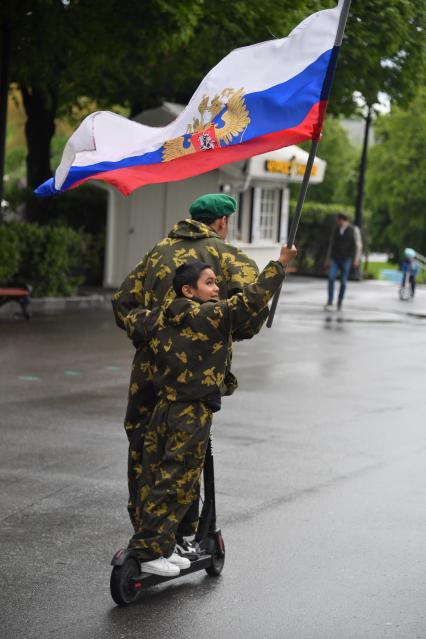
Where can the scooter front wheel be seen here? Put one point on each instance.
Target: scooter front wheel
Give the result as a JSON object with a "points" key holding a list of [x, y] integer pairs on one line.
{"points": [[218, 557], [404, 293], [122, 586]]}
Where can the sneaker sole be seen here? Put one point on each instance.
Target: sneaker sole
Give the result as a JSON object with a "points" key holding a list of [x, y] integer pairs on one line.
{"points": [[181, 566], [161, 573]]}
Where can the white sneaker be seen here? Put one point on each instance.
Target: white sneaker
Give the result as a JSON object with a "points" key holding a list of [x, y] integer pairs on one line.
{"points": [[177, 560], [160, 566], [328, 307]]}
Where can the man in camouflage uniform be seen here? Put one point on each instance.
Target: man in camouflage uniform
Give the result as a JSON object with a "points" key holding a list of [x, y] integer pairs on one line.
{"points": [[189, 337], [150, 284]]}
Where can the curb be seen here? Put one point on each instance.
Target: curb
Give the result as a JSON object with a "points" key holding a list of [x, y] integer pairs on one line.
{"points": [[47, 305]]}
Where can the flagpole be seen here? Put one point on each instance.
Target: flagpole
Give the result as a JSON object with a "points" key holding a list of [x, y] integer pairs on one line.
{"points": [[313, 150], [295, 221]]}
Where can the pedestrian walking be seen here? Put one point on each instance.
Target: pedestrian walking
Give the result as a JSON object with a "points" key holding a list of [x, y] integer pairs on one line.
{"points": [[344, 252]]}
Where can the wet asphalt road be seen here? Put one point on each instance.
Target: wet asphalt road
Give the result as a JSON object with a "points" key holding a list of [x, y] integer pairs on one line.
{"points": [[320, 471]]}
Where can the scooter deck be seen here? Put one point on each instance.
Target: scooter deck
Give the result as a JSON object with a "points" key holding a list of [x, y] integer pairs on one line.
{"points": [[146, 580]]}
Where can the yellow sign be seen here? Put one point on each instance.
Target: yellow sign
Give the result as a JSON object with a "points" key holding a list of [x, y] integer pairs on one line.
{"points": [[289, 167]]}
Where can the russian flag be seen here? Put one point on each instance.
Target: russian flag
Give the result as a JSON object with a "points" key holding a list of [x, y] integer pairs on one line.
{"points": [[258, 98]]}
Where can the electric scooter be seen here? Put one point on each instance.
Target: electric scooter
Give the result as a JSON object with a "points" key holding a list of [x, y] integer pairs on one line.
{"points": [[127, 579]]}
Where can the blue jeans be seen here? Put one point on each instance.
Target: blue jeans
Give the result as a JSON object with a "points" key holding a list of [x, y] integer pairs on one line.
{"points": [[344, 266]]}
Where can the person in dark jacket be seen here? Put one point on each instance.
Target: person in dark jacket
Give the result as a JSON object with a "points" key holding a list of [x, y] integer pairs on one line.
{"points": [[344, 251], [189, 338], [150, 284]]}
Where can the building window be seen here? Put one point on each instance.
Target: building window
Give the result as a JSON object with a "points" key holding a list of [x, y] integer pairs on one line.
{"points": [[266, 214]]}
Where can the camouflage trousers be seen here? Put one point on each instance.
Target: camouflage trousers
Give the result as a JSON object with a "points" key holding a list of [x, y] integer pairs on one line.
{"points": [[141, 403], [174, 450]]}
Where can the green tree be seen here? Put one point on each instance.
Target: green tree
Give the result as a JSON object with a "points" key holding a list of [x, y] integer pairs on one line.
{"points": [[383, 52], [136, 53], [341, 157], [224, 26], [64, 49], [396, 184]]}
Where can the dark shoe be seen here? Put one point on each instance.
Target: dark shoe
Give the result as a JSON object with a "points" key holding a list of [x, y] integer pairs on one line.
{"points": [[189, 549]]}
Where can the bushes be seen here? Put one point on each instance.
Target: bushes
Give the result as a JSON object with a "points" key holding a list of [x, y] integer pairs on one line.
{"points": [[52, 259], [9, 252], [313, 234]]}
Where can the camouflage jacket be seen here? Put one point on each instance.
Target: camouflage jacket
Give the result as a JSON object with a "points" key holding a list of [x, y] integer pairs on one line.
{"points": [[150, 283], [190, 340]]}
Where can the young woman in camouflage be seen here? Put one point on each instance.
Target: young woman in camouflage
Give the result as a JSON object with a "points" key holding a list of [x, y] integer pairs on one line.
{"points": [[150, 284], [189, 338]]}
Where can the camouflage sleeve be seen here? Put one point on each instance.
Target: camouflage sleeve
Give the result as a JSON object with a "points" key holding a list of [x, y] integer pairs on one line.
{"points": [[130, 295], [254, 297], [239, 270], [142, 324]]}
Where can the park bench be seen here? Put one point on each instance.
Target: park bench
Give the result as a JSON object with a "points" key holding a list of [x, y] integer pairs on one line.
{"points": [[20, 295]]}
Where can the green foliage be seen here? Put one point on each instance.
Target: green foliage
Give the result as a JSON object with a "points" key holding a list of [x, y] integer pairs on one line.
{"points": [[15, 159], [222, 27], [342, 159], [383, 51], [14, 193], [68, 52], [9, 252], [314, 232], [396, 184], [52, 260], [56, 149], [84, 208], [95, 259], [106, 51]]}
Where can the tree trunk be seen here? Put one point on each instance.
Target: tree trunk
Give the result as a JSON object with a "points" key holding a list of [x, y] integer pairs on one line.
{"points": [[40, 107], [362, 170], [4, 92]]}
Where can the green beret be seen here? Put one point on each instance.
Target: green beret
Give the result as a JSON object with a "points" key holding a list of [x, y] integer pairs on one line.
{"points": [[213, 205]]}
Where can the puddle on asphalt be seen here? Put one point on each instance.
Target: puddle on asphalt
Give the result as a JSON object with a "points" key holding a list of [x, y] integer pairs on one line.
{"points": [[357, 320], [310, 315]]}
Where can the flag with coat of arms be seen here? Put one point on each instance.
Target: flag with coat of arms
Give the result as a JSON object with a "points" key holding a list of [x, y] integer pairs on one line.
{"points": [[258, 98]]}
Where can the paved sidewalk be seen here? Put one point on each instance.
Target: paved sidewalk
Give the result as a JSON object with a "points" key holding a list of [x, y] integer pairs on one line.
{"points": [[369, 300], [97, 298], [319, 469]]}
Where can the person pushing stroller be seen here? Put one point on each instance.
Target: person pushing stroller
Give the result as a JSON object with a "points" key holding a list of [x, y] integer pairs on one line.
{"points": [[189, 338]]}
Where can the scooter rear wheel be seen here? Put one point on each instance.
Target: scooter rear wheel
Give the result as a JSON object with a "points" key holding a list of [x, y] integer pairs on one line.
{"points": [[122, 589]]}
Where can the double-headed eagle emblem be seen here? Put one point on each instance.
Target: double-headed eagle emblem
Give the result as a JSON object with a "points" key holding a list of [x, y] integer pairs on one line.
{"points": [[222, 118]]}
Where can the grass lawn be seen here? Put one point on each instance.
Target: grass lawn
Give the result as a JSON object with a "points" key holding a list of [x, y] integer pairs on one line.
{"points": [[374, 268]]}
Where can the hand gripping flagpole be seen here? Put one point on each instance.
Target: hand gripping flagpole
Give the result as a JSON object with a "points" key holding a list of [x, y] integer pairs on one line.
{"points": [[314, 146]]}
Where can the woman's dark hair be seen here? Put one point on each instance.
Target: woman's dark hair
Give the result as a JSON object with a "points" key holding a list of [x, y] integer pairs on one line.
{"points": [[188, 274]]}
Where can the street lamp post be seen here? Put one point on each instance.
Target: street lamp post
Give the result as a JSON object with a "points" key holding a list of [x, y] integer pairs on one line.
{"points": [[362, 170]]}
